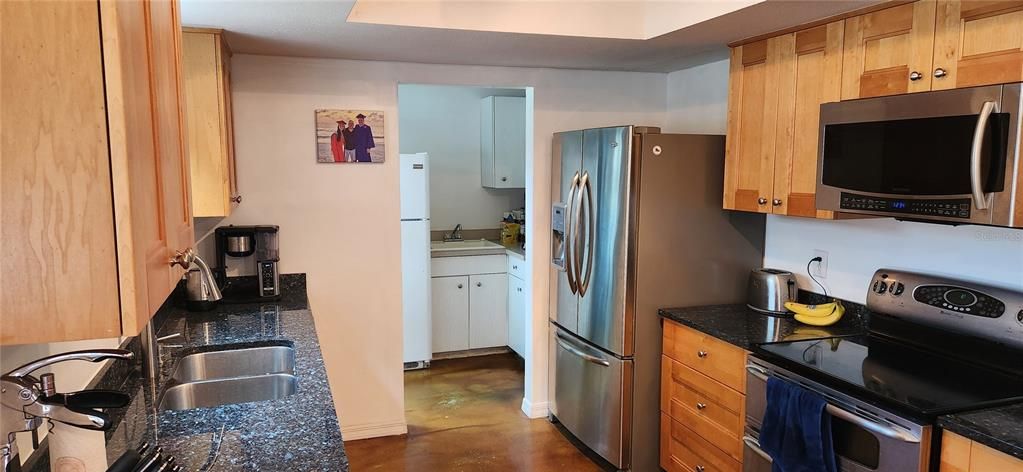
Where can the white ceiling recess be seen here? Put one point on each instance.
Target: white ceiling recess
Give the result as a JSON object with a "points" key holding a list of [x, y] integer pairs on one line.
{"points": [[569, 34]]}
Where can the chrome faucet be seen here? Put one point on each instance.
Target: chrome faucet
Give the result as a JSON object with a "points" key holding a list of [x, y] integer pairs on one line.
{"points": [[27, 401], [456, 234]]}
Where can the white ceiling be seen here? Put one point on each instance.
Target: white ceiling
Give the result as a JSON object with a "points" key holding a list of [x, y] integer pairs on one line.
{"points": [[318, 28]]}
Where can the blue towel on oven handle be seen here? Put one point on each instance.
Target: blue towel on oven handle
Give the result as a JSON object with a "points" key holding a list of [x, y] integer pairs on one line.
{"points": [[796, 430]]}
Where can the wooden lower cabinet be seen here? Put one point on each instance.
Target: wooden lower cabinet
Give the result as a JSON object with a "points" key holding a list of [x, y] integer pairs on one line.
{"points": [[703, 402], [95, 195], [959, 454]]}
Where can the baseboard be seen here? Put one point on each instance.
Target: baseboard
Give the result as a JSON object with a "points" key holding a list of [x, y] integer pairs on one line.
{"points": [[485, 351], [535, 410], [373, 430]]}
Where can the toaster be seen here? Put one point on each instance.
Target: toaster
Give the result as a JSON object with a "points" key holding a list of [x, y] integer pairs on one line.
{"points": [[769, 289]]}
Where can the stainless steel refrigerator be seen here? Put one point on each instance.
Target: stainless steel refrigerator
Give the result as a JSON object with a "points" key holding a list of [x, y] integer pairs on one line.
{"points": [[637, 225]]}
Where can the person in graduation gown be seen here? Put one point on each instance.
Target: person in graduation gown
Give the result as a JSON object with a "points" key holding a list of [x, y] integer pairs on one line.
{"points": [[362, 139], [337, 142]]}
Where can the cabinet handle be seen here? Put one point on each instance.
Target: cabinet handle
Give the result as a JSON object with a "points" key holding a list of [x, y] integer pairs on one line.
{"points": [[700, 468], [504, 179], [459, 285], [939, 73], [701, 354], [236, 199], [515, 267], [519, 289], [762, 201], [700, 406], [776, 202], [914, 76], [479, 284]]}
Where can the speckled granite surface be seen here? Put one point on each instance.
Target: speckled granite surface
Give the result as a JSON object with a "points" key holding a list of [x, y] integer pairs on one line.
{"points": [[999, 428], [743, 327], [299, 432]]}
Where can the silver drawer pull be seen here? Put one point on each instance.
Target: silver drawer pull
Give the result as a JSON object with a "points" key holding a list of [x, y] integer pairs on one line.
{"points": [[701, 354], [700, 406], [700, 468]]}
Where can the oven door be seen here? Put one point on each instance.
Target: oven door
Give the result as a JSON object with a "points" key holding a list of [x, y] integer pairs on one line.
{"points": [[866, 439], [946, 155]]}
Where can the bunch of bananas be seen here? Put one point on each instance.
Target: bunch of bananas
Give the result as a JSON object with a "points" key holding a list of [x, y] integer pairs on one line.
{"points": [[825, 314]]}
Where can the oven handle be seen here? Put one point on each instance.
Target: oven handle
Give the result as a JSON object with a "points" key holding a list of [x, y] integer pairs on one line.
{"points": [[980, 199], [865, 423], [754, 446]]}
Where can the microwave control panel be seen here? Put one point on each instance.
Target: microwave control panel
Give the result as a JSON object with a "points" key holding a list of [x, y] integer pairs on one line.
{"points": [[949, 208]]}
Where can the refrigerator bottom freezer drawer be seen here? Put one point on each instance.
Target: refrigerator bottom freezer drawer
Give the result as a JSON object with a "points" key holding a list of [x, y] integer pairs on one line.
{"points": [[593, 397]]}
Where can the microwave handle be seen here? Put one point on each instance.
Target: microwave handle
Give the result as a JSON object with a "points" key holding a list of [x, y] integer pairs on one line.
{"points": [[865, 423], [980, 199]]}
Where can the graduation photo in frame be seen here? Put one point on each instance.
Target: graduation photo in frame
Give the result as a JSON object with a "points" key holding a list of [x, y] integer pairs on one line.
{"points": [[349, 136]]}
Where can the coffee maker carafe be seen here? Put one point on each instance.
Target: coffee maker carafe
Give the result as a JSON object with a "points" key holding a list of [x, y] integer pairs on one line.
{"points": [[239, 244]]}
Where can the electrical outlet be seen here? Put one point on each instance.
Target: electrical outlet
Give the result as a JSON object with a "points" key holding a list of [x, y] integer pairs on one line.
{"points": [[820, 269]]}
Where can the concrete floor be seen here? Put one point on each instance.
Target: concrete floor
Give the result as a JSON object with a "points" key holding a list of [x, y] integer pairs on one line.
{"points": [[463, 415]]}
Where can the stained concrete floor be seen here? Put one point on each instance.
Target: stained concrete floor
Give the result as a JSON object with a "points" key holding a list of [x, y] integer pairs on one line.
{"points": [[463, 415]]}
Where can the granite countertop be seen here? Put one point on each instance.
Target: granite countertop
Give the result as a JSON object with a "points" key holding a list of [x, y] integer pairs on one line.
{"points": [[297, 432], [739, 325], [999, 428]]}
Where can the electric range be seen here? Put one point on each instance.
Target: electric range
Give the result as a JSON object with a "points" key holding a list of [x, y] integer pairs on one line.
{"points": [[935, 346]]}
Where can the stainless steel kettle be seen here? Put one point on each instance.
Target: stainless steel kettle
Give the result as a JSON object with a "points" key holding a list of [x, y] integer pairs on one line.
{"points": [[769, 289]]}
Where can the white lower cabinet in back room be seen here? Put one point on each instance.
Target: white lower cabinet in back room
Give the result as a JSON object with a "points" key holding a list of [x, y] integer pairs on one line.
{"points": [[517, 315], [488, 311], [450, 313]]}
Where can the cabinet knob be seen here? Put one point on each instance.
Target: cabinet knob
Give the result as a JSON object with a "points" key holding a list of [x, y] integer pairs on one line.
{"points": [[776, 202], [236, 199], [515, 267], [479, 284], [914, 76], [519, 289], [762, 201], [701, 354], [459, 285], [939, 73], [700, 468], [504, 179]]}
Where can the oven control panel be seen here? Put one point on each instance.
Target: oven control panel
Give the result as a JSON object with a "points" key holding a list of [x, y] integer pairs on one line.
{"points": [[948, 208], [969, 308]]}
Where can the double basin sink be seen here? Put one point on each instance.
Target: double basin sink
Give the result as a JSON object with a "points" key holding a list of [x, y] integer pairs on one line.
{"points": [[231, 375]]}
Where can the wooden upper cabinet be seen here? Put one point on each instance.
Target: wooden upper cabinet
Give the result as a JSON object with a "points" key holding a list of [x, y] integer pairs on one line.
{"points": [[752, 111], [888, 52], [810, 60], [978, 43], [91, 220], [207, 69]]}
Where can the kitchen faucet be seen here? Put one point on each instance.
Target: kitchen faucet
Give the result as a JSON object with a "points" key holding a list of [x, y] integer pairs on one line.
{"points": [[456, 234], [27, 401]]}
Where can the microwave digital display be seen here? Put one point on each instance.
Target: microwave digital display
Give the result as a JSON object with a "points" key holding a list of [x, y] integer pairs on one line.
{"points": [[948, 208], [913, 157]]}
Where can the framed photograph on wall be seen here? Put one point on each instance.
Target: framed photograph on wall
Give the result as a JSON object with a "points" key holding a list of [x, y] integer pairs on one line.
{"points": [[349, 136]]}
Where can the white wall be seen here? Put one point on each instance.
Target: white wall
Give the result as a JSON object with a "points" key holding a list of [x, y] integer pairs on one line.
{"points": [[445, 122], [698, 99], [856, 248], [698, 103], [339, 223]]}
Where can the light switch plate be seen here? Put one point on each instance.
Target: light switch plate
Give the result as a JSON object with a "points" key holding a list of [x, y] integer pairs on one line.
{"points": [[820, 269]]}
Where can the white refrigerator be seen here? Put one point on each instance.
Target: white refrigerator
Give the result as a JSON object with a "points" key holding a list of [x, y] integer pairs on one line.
{"points": [[415, 258]]}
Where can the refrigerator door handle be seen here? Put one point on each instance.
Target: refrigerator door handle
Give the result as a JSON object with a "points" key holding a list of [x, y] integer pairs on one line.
{"points": [[576, 253], [584, 283], [567, 345], [570, 232]]}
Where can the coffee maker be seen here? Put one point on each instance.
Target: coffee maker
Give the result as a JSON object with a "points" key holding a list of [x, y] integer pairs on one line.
{"points": [[242, 245]]}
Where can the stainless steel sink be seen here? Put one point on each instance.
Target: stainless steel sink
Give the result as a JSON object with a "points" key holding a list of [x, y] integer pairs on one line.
{"points": [[235, 363], [208, 393], [228, 376]]}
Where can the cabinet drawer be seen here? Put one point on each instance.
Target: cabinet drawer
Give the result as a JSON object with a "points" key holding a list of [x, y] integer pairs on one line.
{"points": [[691, 451], [468, 265], [517, 267], [709, 356], [709, 408]]}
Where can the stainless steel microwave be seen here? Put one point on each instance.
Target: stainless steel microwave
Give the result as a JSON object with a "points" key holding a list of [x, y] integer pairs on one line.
{"points": [[950, 156]]}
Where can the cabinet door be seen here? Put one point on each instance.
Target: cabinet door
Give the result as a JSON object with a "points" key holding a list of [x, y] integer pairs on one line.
{"points": [[752, 115], [884, 48], [509, 142], [810, 60], [57, 251], [488, 310], [487, 142], [978, 43], [517, 315], [450, 313]]}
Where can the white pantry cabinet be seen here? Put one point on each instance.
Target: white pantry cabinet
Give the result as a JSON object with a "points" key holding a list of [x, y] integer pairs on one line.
{"points": [[503, 142]]}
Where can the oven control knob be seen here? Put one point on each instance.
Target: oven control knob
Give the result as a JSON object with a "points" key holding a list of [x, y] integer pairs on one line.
{"points": [[897, 288], [1019, 316], [882, 287]]}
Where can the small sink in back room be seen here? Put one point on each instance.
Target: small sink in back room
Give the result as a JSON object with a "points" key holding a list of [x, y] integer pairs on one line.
{"points": [[469, 247], [228, 376]]}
